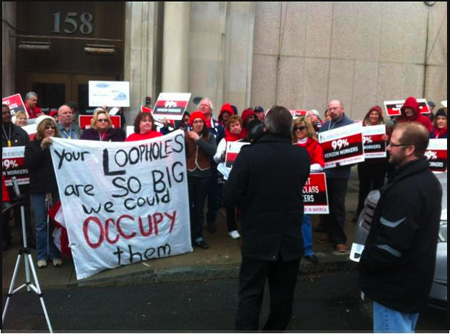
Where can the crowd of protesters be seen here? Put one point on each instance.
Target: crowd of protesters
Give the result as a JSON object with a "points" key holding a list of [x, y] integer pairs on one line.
{"points": [[211, 184]]}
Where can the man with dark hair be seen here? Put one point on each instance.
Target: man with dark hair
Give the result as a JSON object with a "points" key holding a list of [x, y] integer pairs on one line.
{"points": [[267, 180], [13, 135], [397, 264]]}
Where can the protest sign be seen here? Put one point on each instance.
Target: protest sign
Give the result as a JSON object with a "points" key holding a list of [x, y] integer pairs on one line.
{"points": [[171, 106], [123, 202], [233, 149], [109, 93], [437, 155], [342, 145], [393, 108], [13, 164], [374, 144], [298, 113], [15, 104], [315, 196], [85, 121]]}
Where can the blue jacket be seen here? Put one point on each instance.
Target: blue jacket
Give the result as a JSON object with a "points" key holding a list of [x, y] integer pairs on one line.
{"points": [[340, 172]]}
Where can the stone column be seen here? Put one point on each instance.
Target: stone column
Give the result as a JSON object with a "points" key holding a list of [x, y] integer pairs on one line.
{"points": [[142, 65], [176, 47], [8, 48]]}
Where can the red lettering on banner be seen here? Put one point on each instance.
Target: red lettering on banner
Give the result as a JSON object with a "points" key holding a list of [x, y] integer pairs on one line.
{"points": [[134, 228]]}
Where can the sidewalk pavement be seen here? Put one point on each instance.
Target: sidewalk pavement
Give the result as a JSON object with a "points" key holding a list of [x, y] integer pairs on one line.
{"points": [[221, 260]]}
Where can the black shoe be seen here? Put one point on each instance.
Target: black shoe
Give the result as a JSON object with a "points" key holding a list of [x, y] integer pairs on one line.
{"points": [[212, 228], [312, 258], [202, 244]]}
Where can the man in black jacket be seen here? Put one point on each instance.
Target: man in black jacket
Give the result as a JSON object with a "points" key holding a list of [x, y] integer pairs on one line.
{"points": [[267, 179], [13, 135], [397, 264]]}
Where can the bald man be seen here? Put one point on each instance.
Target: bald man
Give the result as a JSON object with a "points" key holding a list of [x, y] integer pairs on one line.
{"points": [[65, 125]]}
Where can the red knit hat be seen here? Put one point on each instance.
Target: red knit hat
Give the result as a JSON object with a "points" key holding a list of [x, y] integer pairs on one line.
{"points": [[227, 107], [197, 114]]}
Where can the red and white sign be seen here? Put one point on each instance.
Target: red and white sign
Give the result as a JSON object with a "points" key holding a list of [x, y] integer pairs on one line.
{"points": [[15, 104], [85, 121], [171, 106], [298, 113], [233, 149], [13, 165], [315, 196], [343, 145], [437, 155], [393, 108], [374, 145]]}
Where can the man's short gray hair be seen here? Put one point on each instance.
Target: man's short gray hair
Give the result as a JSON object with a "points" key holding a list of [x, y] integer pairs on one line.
{"points": [[279, 121], [30, 95]]}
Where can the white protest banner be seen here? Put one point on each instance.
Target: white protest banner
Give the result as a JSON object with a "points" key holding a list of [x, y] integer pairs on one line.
{"points": [[15, 104], [393, 108], [374, 144], [343, 145], [436, 154], [109, 93], [315, 195], [13, 164], [123, 202], [171, 106]]}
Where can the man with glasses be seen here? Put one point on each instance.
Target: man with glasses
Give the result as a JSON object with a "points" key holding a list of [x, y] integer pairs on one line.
{"points": [[337, 180], [397, 264], [13, 135]]}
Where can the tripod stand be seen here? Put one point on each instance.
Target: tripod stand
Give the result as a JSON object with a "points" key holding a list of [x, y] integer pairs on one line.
{"points": [[25, 251]]}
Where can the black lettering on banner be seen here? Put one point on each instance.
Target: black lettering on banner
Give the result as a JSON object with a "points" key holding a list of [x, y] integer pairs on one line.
{"points": [[74, 189], [179, 139], [69, 156], [133, 185], [108, 207], [148, 254], [106, 165]]}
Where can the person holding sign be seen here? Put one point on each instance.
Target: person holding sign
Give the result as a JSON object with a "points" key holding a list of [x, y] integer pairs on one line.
{"points": [[144, 128], [411, 113], [267, 180], [397, 264], [304, 135], [200, 148], [440, 125], [371, 172], [337, 180], [233, 132], [14, 136], [43, 188], [102, 129]]}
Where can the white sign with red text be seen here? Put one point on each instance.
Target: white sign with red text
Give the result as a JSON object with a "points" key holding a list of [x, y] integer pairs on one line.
{"points": [[343, 146], [437, 155], [374, 144], [132, 205], [13, 164]]}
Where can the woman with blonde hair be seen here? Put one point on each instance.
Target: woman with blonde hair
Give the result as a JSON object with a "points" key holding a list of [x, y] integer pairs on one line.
{"points": [[43, 188], [21, 118], [102, 128], [304, 136]]}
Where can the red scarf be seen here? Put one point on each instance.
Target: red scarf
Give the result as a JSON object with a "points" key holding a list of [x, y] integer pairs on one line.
{"points": [[231, 137], [439, 133]]}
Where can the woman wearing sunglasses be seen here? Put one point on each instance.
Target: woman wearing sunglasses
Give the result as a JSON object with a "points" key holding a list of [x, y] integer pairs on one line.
{"points": [[305, 136], [43, 188], [102, 128]]}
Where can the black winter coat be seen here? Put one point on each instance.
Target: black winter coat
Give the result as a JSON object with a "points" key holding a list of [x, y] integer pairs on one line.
{"points": [[39, 164], [19, 137], [267, 179], [397, 264]]}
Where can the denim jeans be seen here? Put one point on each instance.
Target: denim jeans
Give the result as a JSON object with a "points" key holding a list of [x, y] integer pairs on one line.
{"points": [[46, 249], [307, 235], [386, 320]]}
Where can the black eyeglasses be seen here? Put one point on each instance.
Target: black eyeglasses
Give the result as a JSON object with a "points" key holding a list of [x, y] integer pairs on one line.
{"points": [[397, 145], [300, 128], [49, 128]]}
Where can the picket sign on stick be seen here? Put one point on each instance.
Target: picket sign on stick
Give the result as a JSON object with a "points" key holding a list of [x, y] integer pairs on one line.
{"points": [[374, 145], [437, 155], [123, 202]]}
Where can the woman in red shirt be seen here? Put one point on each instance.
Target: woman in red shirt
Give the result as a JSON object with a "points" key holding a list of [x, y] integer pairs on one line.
{"points": [[144, 128], [305, 136]]}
